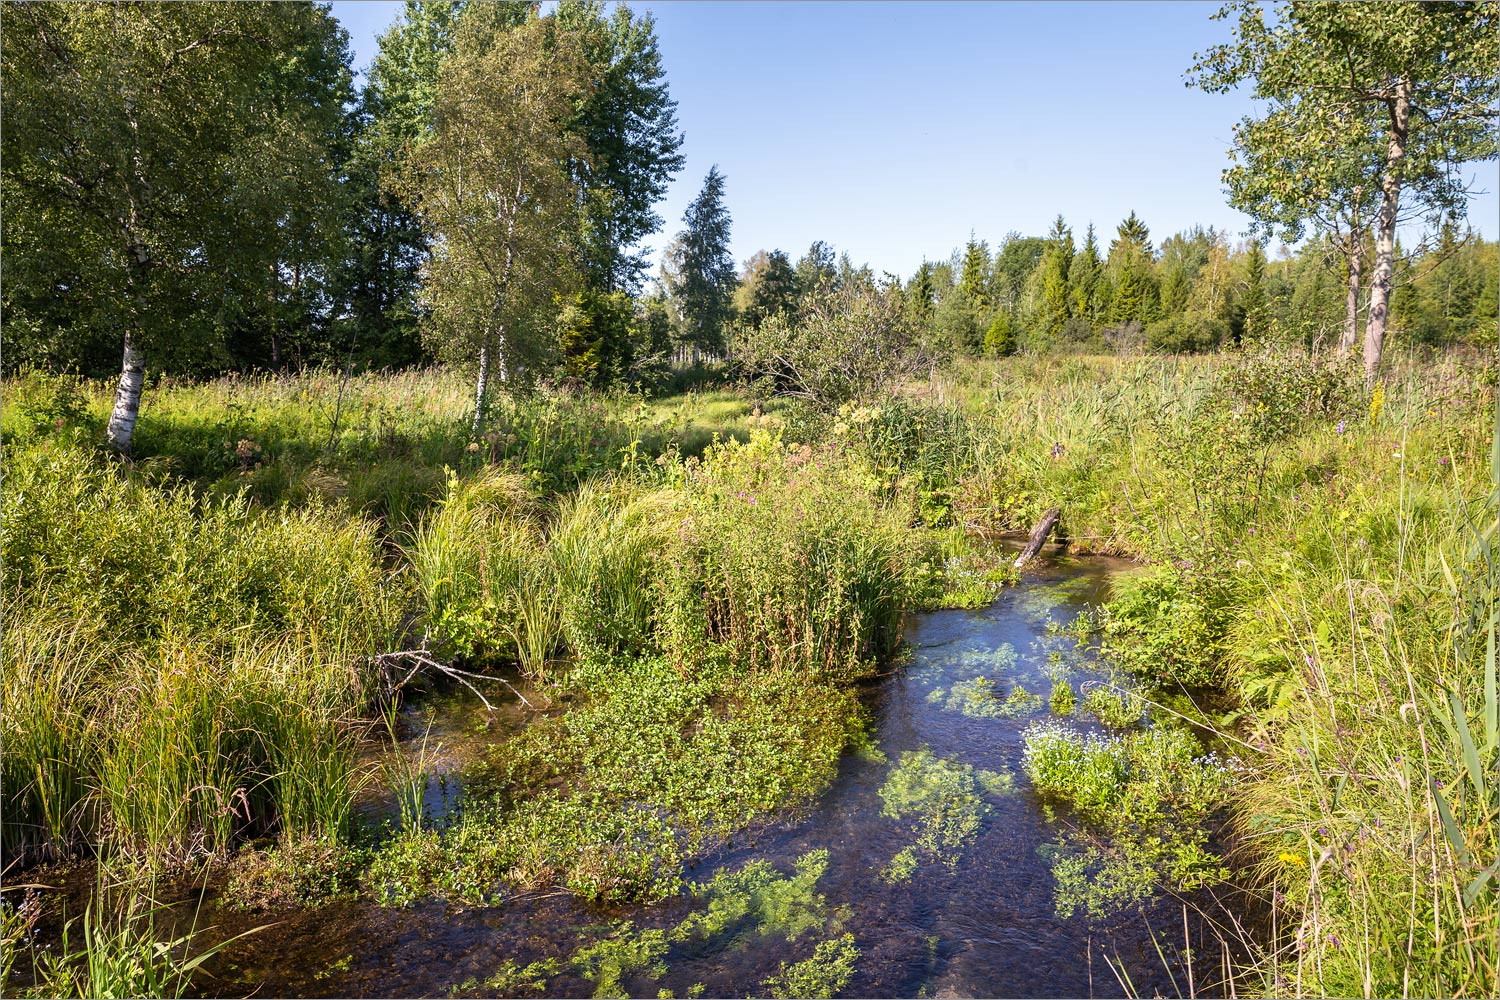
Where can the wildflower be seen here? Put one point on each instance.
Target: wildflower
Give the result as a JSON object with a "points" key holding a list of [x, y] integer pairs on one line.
{"points": [[1340, 428], [1443, 460], [1395, 454]]}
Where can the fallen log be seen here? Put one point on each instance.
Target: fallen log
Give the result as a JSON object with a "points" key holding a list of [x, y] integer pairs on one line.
{"points": [[1038, 536]]}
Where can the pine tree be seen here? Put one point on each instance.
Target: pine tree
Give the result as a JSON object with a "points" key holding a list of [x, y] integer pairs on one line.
{"points": [[703, 274]]}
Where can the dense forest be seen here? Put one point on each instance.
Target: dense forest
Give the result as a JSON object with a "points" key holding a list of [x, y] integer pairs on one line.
{"points": [[412, 586]]}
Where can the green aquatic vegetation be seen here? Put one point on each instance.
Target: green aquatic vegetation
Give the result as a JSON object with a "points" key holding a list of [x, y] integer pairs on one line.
{"points": [[611, 799], [942, 798], [753, 901], [823, 975], [1144, 799], [997, 783], [1115, 709], [978, 699], [623, 952], [902, 867], [758, 899], [1063, 700]]}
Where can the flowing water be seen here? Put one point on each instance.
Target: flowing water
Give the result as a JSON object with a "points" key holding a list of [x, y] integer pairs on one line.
{"points": [[973, 915]]}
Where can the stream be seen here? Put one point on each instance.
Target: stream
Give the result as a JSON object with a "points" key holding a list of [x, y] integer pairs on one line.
{"points": [[961, 906]]}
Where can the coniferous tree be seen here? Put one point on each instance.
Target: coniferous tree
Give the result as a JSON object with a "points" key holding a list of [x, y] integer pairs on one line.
{"points": [[1256, 325], [1130, 268], [817, 272], [1084, 280], [1058, 258], [703, 276], [769, 288], [973, 281], [921, 296]]}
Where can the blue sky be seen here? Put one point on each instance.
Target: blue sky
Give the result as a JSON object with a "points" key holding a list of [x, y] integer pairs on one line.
{"points": [[892, 130]]}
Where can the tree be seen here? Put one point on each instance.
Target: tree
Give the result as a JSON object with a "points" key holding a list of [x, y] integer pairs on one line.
{"points": [[921, 295], [1256, 324], [1056, 260], [1084, 280], [151, 157], [381, 280], [492, 186], [768, 287], [852, 343], [629, 124], [817, 271], [1000, 339], [1411, 85], [1130, 268], [973, 279], [702, 274]]}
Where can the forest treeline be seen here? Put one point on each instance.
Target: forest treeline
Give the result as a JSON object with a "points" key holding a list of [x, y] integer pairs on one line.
{"points": [[208, 184]]}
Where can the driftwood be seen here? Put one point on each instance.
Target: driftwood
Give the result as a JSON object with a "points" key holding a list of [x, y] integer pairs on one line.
{"points": [[1038, 536]]}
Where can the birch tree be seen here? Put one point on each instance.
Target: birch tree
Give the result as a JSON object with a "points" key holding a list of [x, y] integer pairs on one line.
{"points": [[146, 151], [1408, 87], [494, 189]]}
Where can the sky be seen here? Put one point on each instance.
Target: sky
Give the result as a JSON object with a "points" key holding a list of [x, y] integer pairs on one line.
{"points": [[895, 130]]}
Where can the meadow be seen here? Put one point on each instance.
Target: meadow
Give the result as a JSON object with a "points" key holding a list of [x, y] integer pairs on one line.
{"points": [[693, 586]]}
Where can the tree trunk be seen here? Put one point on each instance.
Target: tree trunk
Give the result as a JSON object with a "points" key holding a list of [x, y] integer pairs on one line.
{"points": [[1385, 238], [481, 390], [1350, 336], [1038, 536], [127, 406]]}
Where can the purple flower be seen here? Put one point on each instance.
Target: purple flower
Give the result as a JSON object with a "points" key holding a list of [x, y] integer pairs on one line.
{"points": [[1340, 428]]}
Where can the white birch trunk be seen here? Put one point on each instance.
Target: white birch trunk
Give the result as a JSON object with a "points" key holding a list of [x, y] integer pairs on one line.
{"points": [[481, 390], [127, 408], [1350, 335], [1385, 237]]}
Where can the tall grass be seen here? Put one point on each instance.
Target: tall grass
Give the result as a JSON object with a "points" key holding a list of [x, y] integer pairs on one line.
{"points": [[177, 670]]}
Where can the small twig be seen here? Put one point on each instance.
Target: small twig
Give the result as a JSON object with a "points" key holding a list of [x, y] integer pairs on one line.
{"points": [[420, 658]]}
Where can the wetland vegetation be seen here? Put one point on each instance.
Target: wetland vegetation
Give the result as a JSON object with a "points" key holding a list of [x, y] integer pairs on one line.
{"points": [[400, 628]]}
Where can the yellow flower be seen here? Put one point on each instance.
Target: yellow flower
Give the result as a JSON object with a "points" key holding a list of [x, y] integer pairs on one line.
{"points": [[1293, 859]]}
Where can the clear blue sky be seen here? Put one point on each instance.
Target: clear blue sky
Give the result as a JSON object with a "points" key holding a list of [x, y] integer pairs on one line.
{"points": [[891, 130]]}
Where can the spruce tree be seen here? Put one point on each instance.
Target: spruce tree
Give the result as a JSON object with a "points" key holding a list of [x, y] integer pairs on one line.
{"points": [[703, 275], [1253, 301], [1058, 258], [1083, 279], [973, 280]]}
